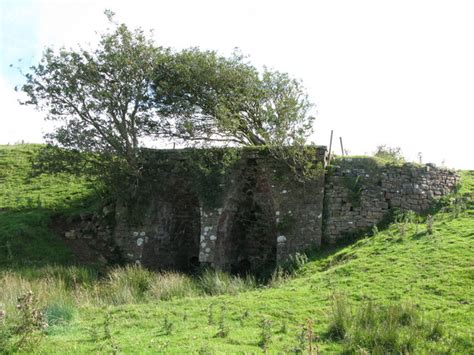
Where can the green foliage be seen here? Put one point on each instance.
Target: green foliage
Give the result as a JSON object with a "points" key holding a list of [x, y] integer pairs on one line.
{"points": [[389, 154], [223, 328], [265, 334], [340, 317], [396, 328], [109, 99], [354, 188], [30, 323], [218, 283], [101, 96], [128, 284], [294, 263], [58, 313], [226, 100], [167, 326]]}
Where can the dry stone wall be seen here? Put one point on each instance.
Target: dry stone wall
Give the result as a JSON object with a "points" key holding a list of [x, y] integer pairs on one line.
{"points": [[359, 193]]}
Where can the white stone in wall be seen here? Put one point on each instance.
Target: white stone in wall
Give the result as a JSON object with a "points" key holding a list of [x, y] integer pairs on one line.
{"points": [[139, 241], [213, 237], [135, 234], [208, 250], [281, 239], [142, 234], [277, 213]]}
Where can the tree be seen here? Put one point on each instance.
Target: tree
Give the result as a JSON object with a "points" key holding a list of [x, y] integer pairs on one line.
{"points": [[111, 98], [101, 97], [218, 99]]}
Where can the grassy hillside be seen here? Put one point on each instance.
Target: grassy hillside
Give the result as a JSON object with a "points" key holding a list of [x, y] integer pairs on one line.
{"points": [[27, 203], [402, 289]]}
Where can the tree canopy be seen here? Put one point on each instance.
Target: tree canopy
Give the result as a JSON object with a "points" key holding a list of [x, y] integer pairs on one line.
{"points": [[109, 99], [219, 99], [101, 97]]}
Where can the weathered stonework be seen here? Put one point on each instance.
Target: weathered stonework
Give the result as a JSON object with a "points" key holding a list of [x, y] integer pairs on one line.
{"points": [[358, 195], [262, 218], [260, 214], [259, 217]]}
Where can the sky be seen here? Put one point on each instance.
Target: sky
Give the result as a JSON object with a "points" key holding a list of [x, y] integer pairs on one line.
{"points": [[399, 73]]}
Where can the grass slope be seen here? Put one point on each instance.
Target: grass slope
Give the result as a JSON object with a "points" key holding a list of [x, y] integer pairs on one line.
{"points": [[404, 264], [27, 203], [434, 273]]}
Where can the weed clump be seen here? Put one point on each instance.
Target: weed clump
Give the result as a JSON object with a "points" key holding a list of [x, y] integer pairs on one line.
{"points": [[372, 328], [265, 334], [27, 330], [219, 283], [223, 328]]}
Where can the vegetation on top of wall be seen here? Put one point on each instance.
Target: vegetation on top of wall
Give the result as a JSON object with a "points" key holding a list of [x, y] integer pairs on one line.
{"points": [[209, 169]]}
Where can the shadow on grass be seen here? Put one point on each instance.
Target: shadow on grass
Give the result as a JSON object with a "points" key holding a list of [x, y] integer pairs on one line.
{"points": [[28, 238]]}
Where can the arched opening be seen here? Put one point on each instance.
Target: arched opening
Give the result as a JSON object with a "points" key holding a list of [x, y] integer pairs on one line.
{"points": [[174, 240], [248, 243]]}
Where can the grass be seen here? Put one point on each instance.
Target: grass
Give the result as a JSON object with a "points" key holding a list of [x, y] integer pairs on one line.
{"points": [[401, 290], [27, 204]]}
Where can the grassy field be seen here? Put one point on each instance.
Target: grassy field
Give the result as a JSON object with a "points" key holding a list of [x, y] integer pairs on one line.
{"points": [[401, 290]]}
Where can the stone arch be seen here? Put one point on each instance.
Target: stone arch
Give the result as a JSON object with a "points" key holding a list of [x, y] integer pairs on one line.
{"points": [[246, 230], [173, 243]]}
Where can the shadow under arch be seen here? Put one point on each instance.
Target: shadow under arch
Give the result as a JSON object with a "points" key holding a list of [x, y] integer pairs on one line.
{"points": [[246, 231], [176, 222]]}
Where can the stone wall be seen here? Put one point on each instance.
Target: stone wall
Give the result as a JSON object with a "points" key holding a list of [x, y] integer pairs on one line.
{"points": [[359, 193], [263, 216], [259, 214]]}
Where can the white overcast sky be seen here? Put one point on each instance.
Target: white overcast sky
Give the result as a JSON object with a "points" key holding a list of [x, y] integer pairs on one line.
{"points": [[399, 73]]}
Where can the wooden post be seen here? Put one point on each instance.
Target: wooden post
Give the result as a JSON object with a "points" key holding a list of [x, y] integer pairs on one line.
{"points": [[342, 147], [330, 147]]}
